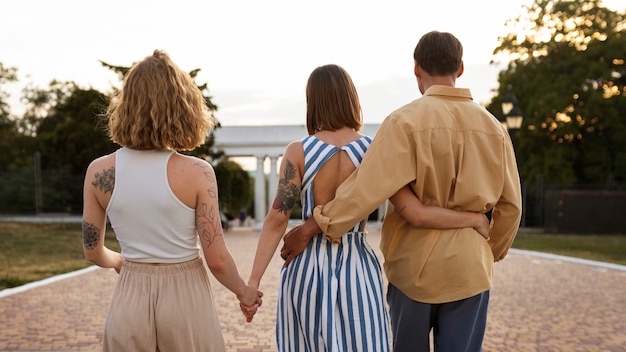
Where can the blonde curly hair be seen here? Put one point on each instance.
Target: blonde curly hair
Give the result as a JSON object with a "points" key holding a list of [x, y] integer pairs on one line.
{"points": [[159, 107]]}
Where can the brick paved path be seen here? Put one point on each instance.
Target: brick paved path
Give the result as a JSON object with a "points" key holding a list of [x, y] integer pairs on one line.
{"points": [[538, 304]]}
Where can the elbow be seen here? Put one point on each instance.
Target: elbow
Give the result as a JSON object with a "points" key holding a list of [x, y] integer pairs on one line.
{"points": [[217, 266], [91, 256], [419, 221]]}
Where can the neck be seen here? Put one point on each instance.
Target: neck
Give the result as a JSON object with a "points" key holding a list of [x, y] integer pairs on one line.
{"points": [[425, 82]]}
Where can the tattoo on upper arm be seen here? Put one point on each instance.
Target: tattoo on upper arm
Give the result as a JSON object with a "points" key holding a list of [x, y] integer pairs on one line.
{"points": [[105, 181], [287, 193], [91, 235], [208, 220], [209, 174], [208, 223]]}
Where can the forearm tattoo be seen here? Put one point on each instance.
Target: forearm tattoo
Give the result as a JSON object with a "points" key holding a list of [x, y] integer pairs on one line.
{"points": [[207, 216], [105, 181], [287, 193], [91, 235]]}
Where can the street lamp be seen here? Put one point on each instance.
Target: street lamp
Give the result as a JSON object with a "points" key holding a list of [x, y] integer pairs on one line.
{"points": [[512, 116], [508, 101]]}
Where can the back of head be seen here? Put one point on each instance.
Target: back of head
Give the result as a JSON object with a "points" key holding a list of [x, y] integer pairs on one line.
{"points": [[158, 107], [332, 100], [439, 53]]}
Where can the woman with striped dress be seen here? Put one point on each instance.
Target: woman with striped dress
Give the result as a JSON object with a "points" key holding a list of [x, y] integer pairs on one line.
{"points": [[331, 296]]}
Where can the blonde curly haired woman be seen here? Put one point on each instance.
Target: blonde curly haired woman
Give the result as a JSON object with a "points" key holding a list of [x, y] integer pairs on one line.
{"points": [[163, 207]]}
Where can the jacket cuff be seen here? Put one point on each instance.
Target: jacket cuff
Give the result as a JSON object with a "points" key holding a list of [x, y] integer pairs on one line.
{"points": [[324, 223]]}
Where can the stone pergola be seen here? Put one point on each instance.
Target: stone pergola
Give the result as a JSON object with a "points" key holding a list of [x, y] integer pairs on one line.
{"points": [[263, 142]]}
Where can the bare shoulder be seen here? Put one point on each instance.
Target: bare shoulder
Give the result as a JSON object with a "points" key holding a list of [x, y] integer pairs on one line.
{"points": [[294, 156], [294, 151], [101, 174], [189, 160], [105, 161], [103, 166], [192, 166]]}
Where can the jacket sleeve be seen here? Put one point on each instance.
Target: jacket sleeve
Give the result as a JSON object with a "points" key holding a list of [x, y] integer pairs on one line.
{"points": [[507, 211], [387, 166]]}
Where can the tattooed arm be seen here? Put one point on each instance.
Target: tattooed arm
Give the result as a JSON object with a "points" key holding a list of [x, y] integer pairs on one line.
{"points": [[97, 190], [277, 219], [209, 227]]}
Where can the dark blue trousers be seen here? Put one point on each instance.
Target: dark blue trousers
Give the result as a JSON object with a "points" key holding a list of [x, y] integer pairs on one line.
{"points": [[457, 326]]}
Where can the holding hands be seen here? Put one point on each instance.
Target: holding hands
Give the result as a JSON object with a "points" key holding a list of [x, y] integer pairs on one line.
{"points": [[249, 301]]}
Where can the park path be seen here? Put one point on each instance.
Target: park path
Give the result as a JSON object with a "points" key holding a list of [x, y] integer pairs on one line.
{"points": [[538, 303]]}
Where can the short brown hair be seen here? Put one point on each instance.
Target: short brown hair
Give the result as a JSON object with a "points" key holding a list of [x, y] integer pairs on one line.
{"points": [[158, 107], [332, 101], [439, 53]]}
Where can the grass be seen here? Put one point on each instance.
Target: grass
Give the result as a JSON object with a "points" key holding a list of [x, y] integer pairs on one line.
{"points": [[31, 252], [603, 248]]}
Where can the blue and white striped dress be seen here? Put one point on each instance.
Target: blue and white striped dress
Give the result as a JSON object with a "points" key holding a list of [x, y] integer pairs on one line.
{"points": [[331, 296]]}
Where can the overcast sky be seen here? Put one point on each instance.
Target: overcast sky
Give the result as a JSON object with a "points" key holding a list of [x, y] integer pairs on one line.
{"points": [[255, 55]]}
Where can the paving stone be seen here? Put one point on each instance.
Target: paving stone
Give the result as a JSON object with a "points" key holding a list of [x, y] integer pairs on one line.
{"points": [[537, 304]]}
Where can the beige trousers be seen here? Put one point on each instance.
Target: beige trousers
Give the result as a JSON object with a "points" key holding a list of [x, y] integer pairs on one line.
{"points": [[167, 308]]}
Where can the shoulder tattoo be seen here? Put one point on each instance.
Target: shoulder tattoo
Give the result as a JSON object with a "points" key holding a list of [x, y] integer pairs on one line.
{"points": [[287, 193], [209, 174], [208, 171], [105, 182]]}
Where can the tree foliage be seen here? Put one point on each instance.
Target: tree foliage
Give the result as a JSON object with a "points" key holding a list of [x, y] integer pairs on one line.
{"points": [[567, 68], [62, 125], [14, 147], [7, 75], [10, 138], [72, 133], [233, 185]]}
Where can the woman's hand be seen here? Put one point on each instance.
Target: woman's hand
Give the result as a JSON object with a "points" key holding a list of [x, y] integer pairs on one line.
{"points": [[248, 312], [249, 301], [120, 262]]}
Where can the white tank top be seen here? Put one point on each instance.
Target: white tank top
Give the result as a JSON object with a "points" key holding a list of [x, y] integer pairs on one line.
{"points": [[151, 224]]}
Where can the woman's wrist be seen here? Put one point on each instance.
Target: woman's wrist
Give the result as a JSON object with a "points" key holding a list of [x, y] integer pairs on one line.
{"points": [[254, 283]]}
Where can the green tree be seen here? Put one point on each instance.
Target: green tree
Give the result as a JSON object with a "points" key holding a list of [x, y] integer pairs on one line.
{"points": [[16, 157], [10, 138], [7, 75], [71, 134], [233, 186], [567, 68], [65, 121], [62, 123]]}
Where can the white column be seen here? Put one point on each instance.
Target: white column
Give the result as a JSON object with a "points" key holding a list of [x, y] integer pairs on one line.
{"points": [[273, 180], [259, 193]]}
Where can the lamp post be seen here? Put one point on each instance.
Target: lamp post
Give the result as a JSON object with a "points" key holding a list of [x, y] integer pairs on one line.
{"points": [[508, 101], [512, 119], [512, 116]]}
